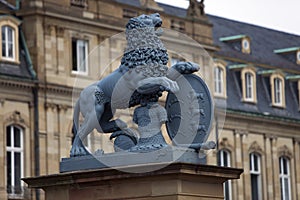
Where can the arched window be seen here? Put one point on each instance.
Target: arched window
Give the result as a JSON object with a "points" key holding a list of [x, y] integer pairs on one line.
{"points": [[277, 87], [277, 91], [224, 161], [220, 80], [255, 174], [14, 160], [285, 178], [249, 84], [8, 42]]}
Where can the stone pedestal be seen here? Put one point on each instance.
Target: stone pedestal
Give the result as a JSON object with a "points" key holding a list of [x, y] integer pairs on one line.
{"points": [[174, 181]]}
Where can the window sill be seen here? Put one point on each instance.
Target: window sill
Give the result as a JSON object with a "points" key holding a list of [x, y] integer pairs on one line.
{"points": [[278, 106], [2, 59], [220, 96], [251, 101], [76, 73]]}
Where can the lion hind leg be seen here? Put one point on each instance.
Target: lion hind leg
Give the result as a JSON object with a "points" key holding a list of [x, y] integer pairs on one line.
{"points": [[91, 121]]}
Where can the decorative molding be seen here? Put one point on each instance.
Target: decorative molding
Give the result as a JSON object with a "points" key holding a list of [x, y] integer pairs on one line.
{"points": [[16, 118], [51, 106], [285, 151], [49, 28], [60, 31], [241, 132], [255, 147], [63, 107], [224, 144]]}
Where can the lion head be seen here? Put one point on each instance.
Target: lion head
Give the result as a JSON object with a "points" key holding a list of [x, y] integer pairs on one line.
{"points": [[144, 51], [144, 21]]}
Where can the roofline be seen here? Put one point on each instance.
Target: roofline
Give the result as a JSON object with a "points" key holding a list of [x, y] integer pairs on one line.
{"points": [[261, 115]]}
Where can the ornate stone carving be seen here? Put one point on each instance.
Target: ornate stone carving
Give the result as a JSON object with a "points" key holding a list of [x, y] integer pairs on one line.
{"points": [[16, 118], [49, 29], [254, 147], [285, 151], [60, 31], [196, 9], [225, 144]]}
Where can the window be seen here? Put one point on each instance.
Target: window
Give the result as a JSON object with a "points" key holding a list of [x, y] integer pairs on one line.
{"points": [[285, 184], [298, 57], [79, 3], [277, 89], [129, 13], [255, 174], [8, 43], [79, 56], [219, 80], [246, 45], [249, 84], [224, 161], [14, 160]]}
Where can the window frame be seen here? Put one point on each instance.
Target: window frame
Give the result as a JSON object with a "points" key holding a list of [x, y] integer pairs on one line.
{"points": [[275, 90], [12, 149], [283, 177], [227, 184], [219, 80], [79, 64], [12, 22], [299, 95], [7, 43], [247, 49], [256, 173], [252, 73]]}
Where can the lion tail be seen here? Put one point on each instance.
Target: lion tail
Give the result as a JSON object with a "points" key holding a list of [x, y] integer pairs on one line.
{"points": [[76, 118]]}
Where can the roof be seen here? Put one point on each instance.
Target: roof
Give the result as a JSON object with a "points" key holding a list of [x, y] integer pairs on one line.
{"points": [[17, 70], [263, 107], [263, 43]]}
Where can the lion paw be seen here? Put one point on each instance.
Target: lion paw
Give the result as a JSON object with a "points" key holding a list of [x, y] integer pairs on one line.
{"points": [[78, 151]]}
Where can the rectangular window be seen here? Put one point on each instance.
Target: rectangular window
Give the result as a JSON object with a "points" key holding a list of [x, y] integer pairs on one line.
{"points": [[224, 161], [278, 91], [285, 183], [8, 42], [14, 161], [255, 173], [79, 3], [79, 56], [218, 79], [129, 13], [249, 86]]}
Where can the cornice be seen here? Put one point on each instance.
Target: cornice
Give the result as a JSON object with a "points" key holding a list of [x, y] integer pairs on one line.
{"points": [[20, 84]]}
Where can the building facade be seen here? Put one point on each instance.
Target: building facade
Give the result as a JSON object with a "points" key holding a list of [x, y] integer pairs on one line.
{"points": [[53, 49]]}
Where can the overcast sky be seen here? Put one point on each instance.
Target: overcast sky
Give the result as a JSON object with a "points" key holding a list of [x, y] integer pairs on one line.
{"points": [[283, 15]]}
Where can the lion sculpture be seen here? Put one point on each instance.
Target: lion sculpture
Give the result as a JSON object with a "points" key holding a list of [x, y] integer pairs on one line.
{"points": [[143, 63]]}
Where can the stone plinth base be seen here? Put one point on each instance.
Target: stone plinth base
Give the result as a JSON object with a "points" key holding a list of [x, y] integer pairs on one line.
{"points": [[165, 155], [175, 181]]}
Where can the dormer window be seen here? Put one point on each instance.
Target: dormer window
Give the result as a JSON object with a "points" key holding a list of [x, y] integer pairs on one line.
{"points": [[292, 54], [9, 49], [277, 90], [238, 42], [220, 80], [298, 57], [248, 77], [246, 45], [8, 43]]}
